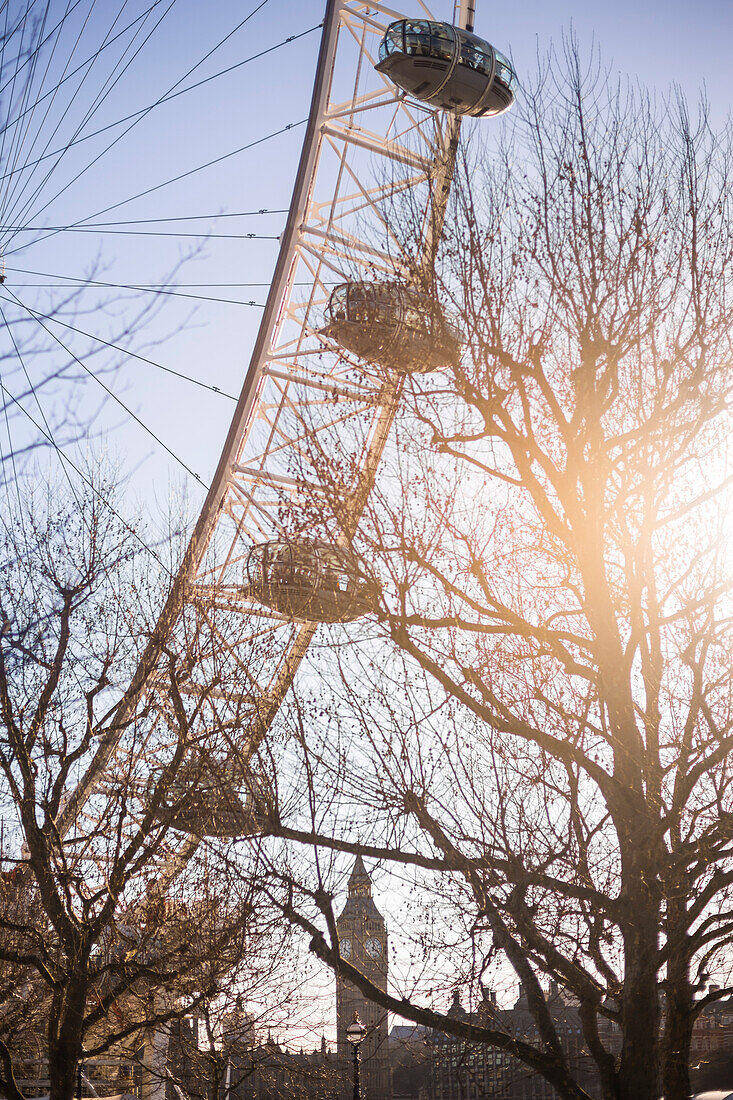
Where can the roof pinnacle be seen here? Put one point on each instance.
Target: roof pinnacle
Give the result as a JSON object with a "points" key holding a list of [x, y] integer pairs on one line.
{"points": [[360, 885]]}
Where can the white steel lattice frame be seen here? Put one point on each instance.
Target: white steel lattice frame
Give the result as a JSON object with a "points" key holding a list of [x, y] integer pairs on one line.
{"points": [[311, 422]]}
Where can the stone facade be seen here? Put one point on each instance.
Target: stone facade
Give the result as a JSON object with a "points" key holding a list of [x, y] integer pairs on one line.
{"points": [[461, 1070]]}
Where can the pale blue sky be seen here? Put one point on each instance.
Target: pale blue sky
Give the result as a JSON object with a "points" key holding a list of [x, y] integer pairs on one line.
{"points": [[658, 43]]}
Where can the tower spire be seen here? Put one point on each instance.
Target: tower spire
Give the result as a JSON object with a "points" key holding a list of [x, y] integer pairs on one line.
{"points": [[360, 885], [363, 941]]}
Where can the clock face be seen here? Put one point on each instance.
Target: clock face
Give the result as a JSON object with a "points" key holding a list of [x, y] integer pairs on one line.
{"points": [[373, 947], [345, 947]]}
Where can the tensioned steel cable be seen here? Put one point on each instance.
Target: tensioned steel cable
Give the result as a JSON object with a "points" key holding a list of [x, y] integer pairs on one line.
{"points": [[91, 226], [65, 458], [9, 35], [2, 69], [54, 166], [32, 109], [47, 426], [5, 40], [35, 55], [87, 66], [151, 107], [147, 233], [167, 183], [174, 289], [21, 360], [138, 286], [21, 132], [174, 95], [153, 288], [51, 91], [42, 42], [161, 290], [38, 317], [48, 433], [198, 217], [88, 227], [126, 351], [31, 387], [37, 399], [54, 92], [48, 65], [10, 456], [15, 70], [21, 19]]}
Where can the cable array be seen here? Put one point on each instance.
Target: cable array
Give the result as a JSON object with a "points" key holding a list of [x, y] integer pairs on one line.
{"points": [[44, 59]]}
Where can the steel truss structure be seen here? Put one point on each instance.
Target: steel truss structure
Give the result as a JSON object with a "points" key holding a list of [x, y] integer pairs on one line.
{"points": [[311, 422]]}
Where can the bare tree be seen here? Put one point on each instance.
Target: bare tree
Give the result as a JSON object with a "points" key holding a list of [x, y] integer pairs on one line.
{"points": [[122, 920], [544, 732], [228, 1051], [56, 375]]}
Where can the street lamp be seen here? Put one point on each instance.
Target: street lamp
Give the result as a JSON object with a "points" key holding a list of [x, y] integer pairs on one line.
{"points": [[355, 1032], [80, 1072]]}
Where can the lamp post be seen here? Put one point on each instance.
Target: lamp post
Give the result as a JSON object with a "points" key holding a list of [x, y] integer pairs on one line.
{"points": [[355, 1032]]}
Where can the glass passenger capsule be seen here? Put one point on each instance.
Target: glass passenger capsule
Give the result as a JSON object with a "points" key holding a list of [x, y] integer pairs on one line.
{"points": [[309, 580], [204, 802], [396, 326], [447, 67]]}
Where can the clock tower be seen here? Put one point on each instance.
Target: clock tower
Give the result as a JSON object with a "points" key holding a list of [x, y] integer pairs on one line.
{"points": [[363, 942]]}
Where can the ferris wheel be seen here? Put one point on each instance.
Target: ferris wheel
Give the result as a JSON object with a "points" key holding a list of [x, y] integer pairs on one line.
{"points": [[351, 313]]}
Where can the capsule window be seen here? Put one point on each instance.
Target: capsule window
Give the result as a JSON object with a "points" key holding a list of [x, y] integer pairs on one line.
{"points": [[417, 38], [362, 310], [504, 71], [475, 59], [388, 307], [338, 304], [304, 568], [441, 42], [396, 37], [393, 42], [331, 579]]}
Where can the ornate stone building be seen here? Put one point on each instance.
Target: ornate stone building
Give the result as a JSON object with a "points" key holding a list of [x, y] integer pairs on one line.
{"points": [[363, 939]]}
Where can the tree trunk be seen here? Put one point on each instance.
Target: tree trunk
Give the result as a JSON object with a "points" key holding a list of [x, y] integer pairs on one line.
{"points": [[638, 1076], [678, 1015], [8, 1085], [65, 1039]]}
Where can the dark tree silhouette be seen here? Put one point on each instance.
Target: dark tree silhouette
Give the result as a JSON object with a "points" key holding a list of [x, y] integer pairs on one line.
{"points": [[117, 921]]}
